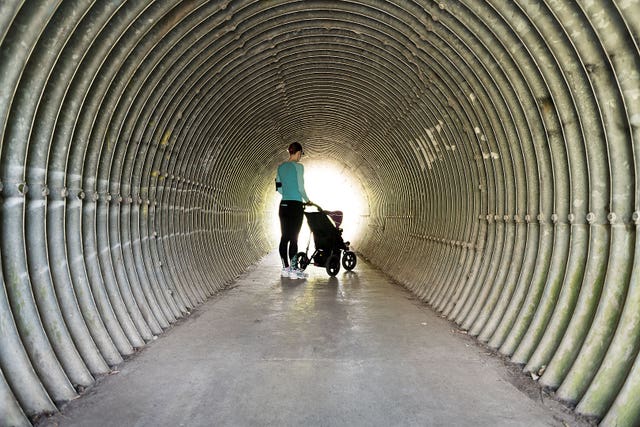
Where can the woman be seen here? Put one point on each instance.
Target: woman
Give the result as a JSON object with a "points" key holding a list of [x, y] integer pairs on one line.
{"points": [[290, 184]]}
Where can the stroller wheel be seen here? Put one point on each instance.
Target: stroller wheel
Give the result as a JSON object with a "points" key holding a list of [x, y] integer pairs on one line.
{"points": [[349, 260], [302, 260], [333, 264]]}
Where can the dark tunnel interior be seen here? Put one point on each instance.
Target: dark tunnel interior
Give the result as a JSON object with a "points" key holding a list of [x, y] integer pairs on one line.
{"points": [[493, 147]]}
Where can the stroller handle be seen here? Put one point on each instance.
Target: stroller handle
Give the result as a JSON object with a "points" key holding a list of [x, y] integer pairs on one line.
{"points": [[314, 205]]}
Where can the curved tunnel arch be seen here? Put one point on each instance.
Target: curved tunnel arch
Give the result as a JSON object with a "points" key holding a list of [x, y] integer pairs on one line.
{"points": [[497, 143]]}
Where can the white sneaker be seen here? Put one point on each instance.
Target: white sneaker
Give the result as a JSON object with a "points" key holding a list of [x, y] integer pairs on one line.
{"points": [[296, 273], [286, 272]]}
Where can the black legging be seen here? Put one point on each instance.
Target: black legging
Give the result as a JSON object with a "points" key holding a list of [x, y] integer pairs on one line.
{"points": [[291, 213]]}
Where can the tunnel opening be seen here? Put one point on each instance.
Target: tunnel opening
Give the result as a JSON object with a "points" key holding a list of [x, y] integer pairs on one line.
{"points": [[333, 187], [495, 144]]}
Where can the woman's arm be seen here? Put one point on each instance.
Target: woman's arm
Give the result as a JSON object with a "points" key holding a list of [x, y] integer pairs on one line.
{"points": [[303, 193], [278, 182]]}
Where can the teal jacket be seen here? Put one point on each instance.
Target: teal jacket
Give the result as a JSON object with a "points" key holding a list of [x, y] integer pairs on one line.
{"points": [[290, 182]]}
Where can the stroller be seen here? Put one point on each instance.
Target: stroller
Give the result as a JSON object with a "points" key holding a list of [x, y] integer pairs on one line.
{"points": [[327, 238]]}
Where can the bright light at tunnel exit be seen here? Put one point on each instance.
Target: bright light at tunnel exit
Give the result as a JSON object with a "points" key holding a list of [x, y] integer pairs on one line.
{"points": [[331, 186]]}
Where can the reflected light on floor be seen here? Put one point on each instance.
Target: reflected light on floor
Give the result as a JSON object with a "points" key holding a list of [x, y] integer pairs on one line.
{"points": [[332, 187]]}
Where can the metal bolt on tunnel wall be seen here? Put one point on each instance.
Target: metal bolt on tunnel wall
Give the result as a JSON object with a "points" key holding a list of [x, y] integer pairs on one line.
{"points": [[498, 145]]}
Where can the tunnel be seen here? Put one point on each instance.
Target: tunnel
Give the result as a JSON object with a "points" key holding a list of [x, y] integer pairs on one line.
{"points": [[495, 146]]}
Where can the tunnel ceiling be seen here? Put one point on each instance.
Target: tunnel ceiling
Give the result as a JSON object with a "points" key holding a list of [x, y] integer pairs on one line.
{"points": [[497, 141]]}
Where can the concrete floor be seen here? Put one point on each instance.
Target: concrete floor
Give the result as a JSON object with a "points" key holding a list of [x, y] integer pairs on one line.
{"points": [[356, 350]]}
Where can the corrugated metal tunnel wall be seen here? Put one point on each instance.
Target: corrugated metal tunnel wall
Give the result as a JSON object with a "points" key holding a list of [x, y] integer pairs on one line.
{"points": [[498, 142]]}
